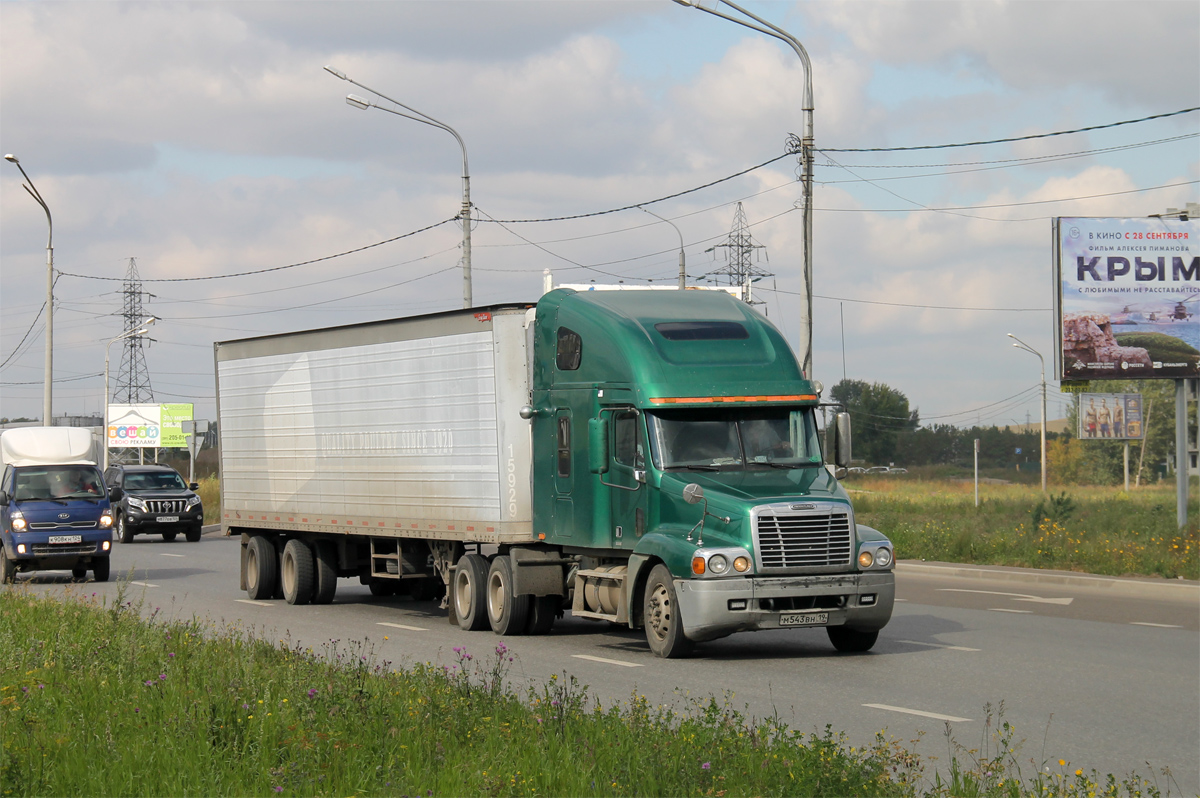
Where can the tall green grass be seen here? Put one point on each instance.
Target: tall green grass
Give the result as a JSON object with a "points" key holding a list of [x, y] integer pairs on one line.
{"points": [[94, 700], [1092, 530]]}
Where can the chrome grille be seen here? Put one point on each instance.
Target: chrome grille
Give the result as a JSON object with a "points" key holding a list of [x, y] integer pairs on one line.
{"points": [[65, 525], [61, 548], [788, 540], [166, 506]]}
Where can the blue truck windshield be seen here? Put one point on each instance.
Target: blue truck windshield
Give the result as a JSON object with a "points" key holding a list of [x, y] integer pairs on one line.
{"points": [[705, 439], [57, 482]]}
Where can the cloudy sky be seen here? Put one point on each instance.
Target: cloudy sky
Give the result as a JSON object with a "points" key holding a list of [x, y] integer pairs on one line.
{"points": [[206, 140]]}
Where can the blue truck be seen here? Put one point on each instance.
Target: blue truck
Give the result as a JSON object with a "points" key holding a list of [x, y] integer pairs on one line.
{"points": [[54, 508]]}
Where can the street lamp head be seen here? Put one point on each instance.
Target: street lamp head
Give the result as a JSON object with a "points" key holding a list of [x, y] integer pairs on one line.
{"points": [[149, 321], [357, 102], [11, 158], [337, 73]]}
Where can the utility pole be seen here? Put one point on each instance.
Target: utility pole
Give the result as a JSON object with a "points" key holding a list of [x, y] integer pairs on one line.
{"points": [[133, 377]]}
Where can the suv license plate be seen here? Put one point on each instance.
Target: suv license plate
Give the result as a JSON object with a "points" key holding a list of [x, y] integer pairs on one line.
{"points": [[66, 539], [803, 618], [167, 519]]}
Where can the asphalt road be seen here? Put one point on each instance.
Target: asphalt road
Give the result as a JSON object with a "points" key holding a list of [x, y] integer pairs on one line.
{"points": [[1103, 673]]}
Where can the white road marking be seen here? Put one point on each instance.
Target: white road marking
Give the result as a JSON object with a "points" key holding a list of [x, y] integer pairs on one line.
{"points": [[171, 555], [1019, 612], [938, 645], [143, 584], [1157, 625], [255, 603], [1017, 596], [402, 626], [919, 713], [899, 599], [607, 661]]}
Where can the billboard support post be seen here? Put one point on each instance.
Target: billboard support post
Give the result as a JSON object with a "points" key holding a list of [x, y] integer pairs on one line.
{"points": [[1126, 466], [1181, 453]]}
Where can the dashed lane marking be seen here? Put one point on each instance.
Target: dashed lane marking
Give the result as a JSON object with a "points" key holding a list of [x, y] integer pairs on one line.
{"points": [[163, 554], [919, 713], [938, 645], [255, 603], [1019, 612], [623, 664], [1156, 625], [899, 599], [143, 584], [1016, 596], [403, 626]]}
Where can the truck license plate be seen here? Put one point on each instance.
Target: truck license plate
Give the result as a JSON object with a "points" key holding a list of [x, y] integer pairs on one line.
{"points": [[66, 539], [167, 519], [803, 618]]}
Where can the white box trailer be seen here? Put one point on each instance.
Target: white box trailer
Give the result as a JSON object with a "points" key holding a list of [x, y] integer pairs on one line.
{"points": [[406, 428]]}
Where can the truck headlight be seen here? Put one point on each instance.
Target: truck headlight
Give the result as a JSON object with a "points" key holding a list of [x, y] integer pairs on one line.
{"points": [[718, 564], [741, 564], [18, 522], [883, 558], [137, 503], [865, 559], [106, 520]]}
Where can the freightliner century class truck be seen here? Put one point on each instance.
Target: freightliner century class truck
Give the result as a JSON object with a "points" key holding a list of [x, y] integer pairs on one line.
{"points": [[648, 458]]}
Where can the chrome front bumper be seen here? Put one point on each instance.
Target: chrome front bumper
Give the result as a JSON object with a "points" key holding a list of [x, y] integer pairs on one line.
{"points": [[705, 603]]}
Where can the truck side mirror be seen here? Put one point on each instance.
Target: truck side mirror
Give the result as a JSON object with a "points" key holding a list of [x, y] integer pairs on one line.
{"points": [[693, 493], [598, 445], [841, 440], [4, 498]]}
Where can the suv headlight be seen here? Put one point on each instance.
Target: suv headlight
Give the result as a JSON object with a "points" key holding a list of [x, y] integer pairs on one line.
{"points": [[193, 501], [137, 503]]}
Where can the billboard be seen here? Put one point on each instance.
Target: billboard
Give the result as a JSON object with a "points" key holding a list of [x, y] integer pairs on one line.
{"points": [[1111, 416], [172, 417], [136, 426], [1127, 298]]}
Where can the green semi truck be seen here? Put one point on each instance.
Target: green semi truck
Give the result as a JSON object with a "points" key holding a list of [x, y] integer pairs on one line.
{"points": [[646, 458]]}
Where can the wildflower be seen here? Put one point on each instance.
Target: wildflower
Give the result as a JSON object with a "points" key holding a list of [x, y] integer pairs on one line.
{"points": [[149, 682], [162, 676], [1079, 772], [171, 655], [706, 766], [136, 710], [312, 692], [1062, 763], [41, 687], [245, 706], [278, 789]]}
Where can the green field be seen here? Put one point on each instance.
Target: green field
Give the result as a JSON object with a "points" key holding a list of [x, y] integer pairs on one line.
{"points": [[1095, 530], [97, 700]]}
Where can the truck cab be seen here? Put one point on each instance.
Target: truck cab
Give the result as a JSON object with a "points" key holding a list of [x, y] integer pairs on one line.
{"points": [[54, 510], [676, 448]]}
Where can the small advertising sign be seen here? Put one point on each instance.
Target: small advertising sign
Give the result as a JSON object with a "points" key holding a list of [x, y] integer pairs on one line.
{"points": [[1111, 416], [173, 417], [1126, 298], [136, 426]]}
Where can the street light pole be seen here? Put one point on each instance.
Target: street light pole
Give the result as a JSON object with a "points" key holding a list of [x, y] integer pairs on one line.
{"points": [[426, 119], [806, 156], [682, 261], [107, 350], [1027, 348], [48, 380]]}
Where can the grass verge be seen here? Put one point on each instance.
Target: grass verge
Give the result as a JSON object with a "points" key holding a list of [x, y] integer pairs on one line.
{"points": [[95, 700]]}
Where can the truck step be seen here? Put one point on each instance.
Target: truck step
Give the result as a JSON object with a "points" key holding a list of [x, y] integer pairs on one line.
{"points": [[615, 577], [596, 616]]}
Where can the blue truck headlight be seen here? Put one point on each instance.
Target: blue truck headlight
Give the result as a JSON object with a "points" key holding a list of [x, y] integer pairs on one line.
{"points": [[106, 520], [18, 522], [21, 548]]}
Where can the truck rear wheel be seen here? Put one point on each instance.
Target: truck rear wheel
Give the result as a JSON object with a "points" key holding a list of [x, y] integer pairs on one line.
{"points": [[542, 613], [469, 594], [660, 611], [851, 640], [8, 568], [262, 569], [508, 614], [325, 562], [100, 569], [297, 572]]}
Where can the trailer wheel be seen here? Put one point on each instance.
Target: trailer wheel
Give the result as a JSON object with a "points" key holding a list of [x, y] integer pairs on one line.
{"points": [[507, 613], [428, 589], [542, 612], [297, 572], [100, 569], [470, 602], [8, 568], [325, 563], [262, 569], [660, 611], [851, 641]]}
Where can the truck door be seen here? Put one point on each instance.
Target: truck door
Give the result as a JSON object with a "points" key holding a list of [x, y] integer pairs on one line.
{"points": [[564, 511], [625, 476]]}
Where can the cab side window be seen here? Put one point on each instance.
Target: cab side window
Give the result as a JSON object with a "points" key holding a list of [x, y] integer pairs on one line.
{"points": [[569, 352], [625, 448]]}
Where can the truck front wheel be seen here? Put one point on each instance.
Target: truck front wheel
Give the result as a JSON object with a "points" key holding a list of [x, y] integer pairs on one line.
{"points": [[660, 611], [851, 640], [507, 613], [100, 569], [262, 569], [297, 572], [8, 568], [470, 601]]}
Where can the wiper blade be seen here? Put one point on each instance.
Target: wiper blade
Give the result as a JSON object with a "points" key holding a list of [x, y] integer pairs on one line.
{"points": [[692, 468]]}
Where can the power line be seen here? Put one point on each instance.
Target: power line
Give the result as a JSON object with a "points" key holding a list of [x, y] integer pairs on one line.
{"points": [[1015, 138], [908, 305], [17, 348]]}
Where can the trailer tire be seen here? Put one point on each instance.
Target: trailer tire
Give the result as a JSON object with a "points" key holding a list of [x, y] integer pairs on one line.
{"points": [[325, 563], [470, 592], [851, 641], [8, 568], [100, 569], [428, 589], [508, 614], [660, 612], [297, 572], [262, 569], [542, 612]]}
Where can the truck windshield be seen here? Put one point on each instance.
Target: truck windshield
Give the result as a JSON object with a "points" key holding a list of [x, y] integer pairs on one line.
{"points": [[57, 482], [703, 439]]}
